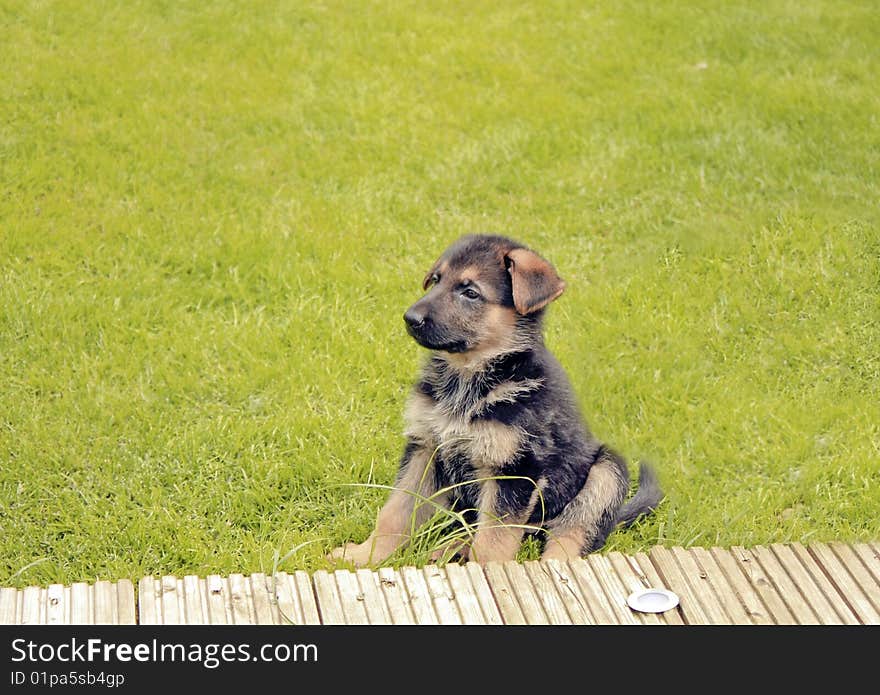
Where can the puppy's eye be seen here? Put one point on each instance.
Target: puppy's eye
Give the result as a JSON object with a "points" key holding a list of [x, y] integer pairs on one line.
{"points": [[470, 293]]}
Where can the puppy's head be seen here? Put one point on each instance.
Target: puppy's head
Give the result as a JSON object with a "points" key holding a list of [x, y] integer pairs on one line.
{"points": [[481, 295]]}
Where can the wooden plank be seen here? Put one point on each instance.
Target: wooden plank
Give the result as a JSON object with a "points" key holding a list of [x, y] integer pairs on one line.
{"points": [[241, 600], [748, 596], [237, 600], [329, 604], [726, 594], [591, 591], [825, 585], [8, 606], [80, 604], [227, 601], [643, 562], [419, 597], [483, 592], [218, 593], [615, 593], [441, 595], [464, 595], [785, 587], [870, 558], [148, 606], [395, 596], [700, 586], [106, 610], [813, 595], [307, 597], [505, 598], [195, 603], [125, 602], [33, 606], [169, 601], [762, 584], [674, 579], [191, 600], [822, 578], [859, 572], [525, 594], [566, 586], [374, 600], [547, 593], [351, 598], [875, 548], [629, 572], [263, 593], [630, 578], [56, 607], [287, 600], [844, 583]]}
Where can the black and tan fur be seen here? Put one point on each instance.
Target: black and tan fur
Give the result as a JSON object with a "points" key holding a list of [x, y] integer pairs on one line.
{"points": [[492, 425]]}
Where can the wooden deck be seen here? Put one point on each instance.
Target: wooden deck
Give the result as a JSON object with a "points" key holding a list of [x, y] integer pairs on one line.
{"points": [[815, 584]]}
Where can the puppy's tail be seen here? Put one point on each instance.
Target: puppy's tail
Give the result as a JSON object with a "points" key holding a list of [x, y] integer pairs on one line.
{"points": [[648, 496]]}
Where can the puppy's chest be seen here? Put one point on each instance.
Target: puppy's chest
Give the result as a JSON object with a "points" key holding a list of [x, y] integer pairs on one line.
{"points": [[486, 445]]}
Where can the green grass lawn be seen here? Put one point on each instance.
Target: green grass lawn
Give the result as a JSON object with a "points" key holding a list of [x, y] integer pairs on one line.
{"points": [[213, 215]]}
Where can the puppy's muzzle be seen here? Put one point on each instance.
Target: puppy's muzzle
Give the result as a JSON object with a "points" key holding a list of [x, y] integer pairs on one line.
{"points": [[428, 333], [423, 329]]}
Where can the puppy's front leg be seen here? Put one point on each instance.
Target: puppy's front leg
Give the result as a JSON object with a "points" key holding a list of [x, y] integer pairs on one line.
{"points": [[404, 510], [503, 510]]}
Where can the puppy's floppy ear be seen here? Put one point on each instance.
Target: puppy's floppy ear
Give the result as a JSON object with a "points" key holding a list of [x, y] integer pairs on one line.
{"points": [[535, 282]]}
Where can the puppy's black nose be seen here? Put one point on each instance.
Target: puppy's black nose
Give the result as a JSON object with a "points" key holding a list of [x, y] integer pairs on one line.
{"points": [[414, 318]]}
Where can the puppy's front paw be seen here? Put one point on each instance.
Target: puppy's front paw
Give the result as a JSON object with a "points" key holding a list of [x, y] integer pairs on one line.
{"points": [[357, 553]]}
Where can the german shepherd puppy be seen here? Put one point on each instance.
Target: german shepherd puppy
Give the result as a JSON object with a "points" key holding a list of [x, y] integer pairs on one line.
{"points": [[492, 426]]}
